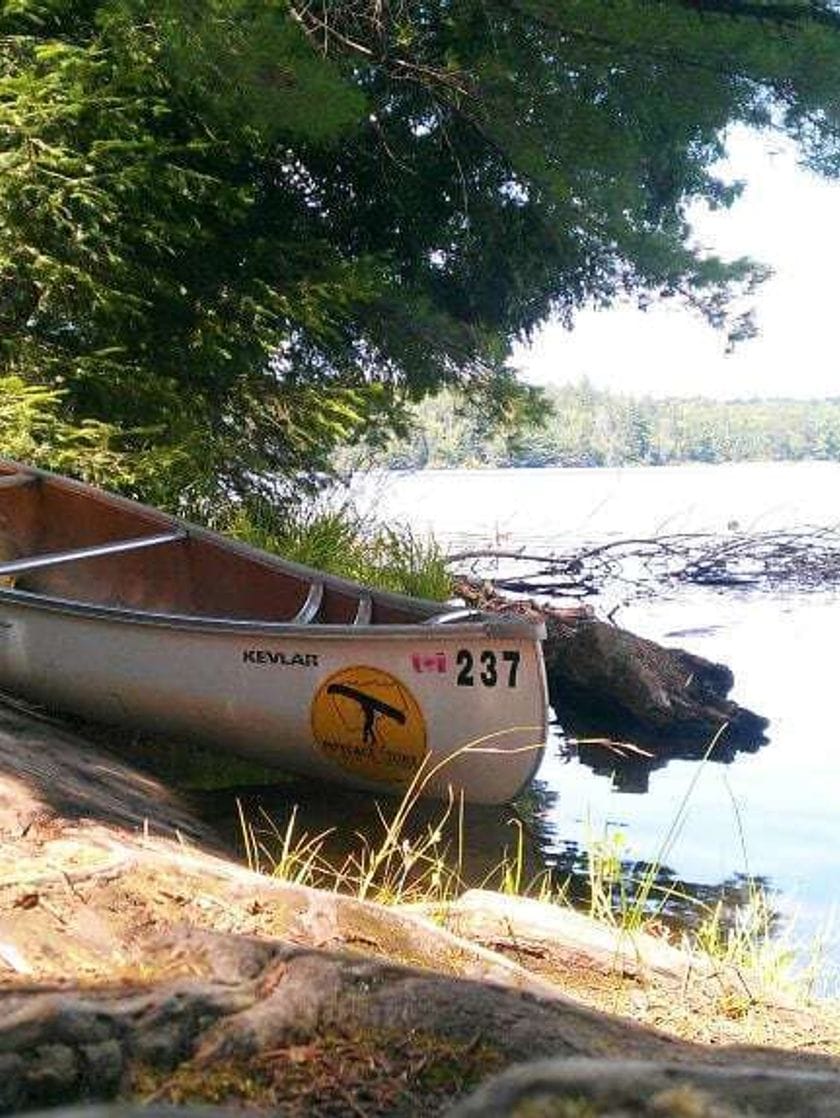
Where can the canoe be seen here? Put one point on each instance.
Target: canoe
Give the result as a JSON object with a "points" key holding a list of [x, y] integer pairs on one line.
{"points": [[124, 614]]}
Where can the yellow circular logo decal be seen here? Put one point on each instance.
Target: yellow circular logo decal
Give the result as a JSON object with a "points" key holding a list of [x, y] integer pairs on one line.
{"points": [[369, 723]]}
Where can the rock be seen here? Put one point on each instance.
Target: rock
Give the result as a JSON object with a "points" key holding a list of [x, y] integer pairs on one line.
{"points": [[625, 1088], [562, 937], [125, 1110], [50, 777], [141, 965]]}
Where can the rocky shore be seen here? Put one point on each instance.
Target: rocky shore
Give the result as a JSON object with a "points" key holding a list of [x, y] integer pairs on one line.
{"points": [[142, 962]]}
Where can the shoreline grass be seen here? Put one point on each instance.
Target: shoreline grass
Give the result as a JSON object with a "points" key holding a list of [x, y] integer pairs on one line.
{"points": [[333, 535], [731, 981], [426, 868]]}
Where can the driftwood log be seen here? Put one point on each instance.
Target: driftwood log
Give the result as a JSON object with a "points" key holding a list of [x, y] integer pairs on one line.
{"points": [[608, 678], [605, 680]]}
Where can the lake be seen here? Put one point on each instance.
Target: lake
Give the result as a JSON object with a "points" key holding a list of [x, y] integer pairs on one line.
{"points": [[768, 815]]}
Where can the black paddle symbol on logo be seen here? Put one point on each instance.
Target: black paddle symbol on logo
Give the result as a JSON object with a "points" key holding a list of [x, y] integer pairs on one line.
{"points": [[368, 722], [371, 707]]}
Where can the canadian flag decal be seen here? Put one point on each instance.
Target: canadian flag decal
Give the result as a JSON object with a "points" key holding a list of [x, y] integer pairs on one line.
{"points": [[428, 661]]}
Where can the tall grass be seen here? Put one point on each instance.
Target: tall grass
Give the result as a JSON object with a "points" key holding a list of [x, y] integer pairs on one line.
{"points": [[399, 867], [333, 535]]}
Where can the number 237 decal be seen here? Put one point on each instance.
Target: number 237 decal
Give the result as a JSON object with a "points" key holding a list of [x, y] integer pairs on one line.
{"points": [[492, 669]]}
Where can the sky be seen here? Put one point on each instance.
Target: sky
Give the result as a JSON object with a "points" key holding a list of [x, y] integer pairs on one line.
{"points": [[787, 218]]}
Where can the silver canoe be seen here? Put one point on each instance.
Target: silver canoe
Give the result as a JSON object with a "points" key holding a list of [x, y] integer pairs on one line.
{"points": [[120, 612]]}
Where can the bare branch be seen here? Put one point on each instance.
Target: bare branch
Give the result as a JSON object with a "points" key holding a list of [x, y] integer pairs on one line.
{"points": [[800, 558]]}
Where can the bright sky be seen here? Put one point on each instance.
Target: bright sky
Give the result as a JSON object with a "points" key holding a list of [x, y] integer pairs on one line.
{"points": [[787, 218]]}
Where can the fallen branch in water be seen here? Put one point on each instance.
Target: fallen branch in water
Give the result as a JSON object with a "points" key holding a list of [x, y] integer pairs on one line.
{"points": [[622, 749], [799, 558]]}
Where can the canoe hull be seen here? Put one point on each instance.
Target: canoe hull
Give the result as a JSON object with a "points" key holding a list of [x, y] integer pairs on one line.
{"points": [[123, 613], [459, 707]]}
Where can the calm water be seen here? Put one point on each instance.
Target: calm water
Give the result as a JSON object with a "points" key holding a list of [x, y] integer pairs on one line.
{"points": [[772, 814]]}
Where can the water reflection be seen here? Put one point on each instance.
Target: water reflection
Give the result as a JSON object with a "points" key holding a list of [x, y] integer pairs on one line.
{"points": [[475, 846], [599, 879], [628, 764]]}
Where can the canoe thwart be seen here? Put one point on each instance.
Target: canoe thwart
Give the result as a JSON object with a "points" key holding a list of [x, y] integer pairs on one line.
{"points": [[310, 607], [364, 610], [453, 615], [13, 481], [115, 547]]}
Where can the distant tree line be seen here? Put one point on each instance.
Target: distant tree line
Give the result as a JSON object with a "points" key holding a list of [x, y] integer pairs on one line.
{"points": [[588, 427]]}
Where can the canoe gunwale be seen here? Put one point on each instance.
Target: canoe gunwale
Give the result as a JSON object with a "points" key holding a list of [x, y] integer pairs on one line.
{"points": [[17, 479], [487, 625], [152, 518]]}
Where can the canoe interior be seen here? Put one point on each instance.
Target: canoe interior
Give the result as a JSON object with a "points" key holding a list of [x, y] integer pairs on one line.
{"points": [[200, 574]]}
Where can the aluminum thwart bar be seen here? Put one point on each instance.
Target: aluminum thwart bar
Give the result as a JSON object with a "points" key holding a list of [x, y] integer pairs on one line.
{"points": [[453, 615], [310, 607], [364, 611], [54, 558], [12, 481]]}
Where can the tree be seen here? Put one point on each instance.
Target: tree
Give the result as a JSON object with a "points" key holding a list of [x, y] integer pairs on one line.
{"points": [[243, 231], [31, 429]]}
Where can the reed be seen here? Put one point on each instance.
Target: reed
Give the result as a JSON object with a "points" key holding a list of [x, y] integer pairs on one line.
{"points": [[293, 857], [745, 938], [396, 868], [333, 535], [630, 902]]}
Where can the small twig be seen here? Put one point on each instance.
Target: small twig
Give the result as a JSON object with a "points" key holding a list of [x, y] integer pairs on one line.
{"points": [[621, 748], [494, 553]]}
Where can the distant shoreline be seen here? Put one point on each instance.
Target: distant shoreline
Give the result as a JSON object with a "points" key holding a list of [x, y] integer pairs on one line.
{"points": [[585, 427]]}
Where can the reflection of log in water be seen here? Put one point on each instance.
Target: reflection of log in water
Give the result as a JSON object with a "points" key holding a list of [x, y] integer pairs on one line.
{"points": [[628, 765], [675, 902]]}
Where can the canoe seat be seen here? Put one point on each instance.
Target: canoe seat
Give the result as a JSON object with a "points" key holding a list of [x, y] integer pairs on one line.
{"points": [[311, 605]]}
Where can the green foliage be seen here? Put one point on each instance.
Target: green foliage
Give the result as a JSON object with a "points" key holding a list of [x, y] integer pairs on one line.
{"points": [[32, 431], [587, 427], [244, 232], [337, 538], [244, 65], [145, 266]]}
